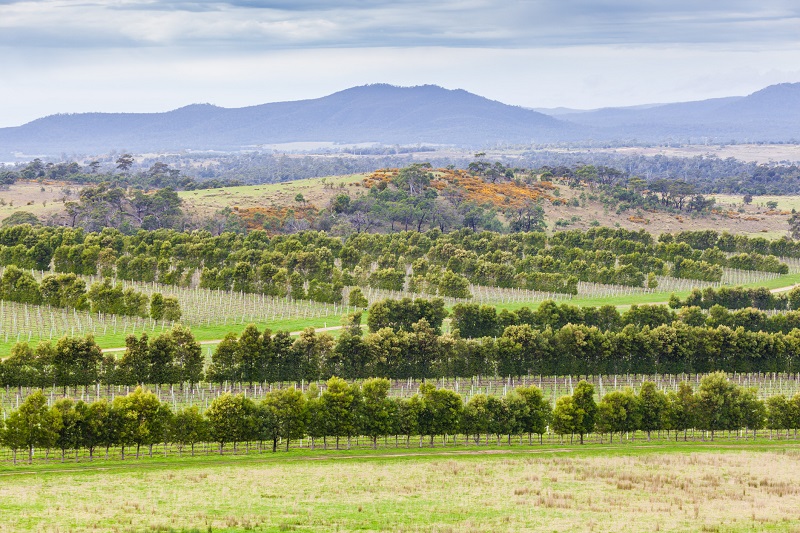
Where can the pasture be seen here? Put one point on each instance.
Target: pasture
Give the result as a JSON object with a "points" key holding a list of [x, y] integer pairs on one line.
{"points": [[643, 487]]}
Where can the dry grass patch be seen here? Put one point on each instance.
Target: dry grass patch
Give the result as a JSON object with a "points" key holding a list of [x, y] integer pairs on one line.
{"points": [[704, 491]]}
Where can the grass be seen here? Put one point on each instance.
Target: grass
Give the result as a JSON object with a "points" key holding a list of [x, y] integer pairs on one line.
{"points": [[657, 487], [277, 194], [786, 203], [201, 333]]}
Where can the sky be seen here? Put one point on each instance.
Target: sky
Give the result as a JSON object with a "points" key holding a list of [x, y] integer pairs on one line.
{"points": [[61, 56]]}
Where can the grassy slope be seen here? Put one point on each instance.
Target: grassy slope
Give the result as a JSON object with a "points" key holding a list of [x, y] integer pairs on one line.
{"points": [[642, 487]]}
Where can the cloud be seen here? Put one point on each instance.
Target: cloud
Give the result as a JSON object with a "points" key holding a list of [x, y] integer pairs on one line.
{"points": [[137, 55], [381, 23]]}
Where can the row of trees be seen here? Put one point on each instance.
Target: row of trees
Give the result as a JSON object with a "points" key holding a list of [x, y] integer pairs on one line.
{"points": [[69, 291], [172, 357], [739, 298], [476, 321], [415, 351], [344, 411]]}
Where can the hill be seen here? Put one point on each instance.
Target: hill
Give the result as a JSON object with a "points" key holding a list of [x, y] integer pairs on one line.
{"points": [[373, 113], [768, 115], [427, 114]]}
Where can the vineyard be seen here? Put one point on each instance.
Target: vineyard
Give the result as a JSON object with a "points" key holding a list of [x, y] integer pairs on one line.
{"points": [[553, 387], [206, 307]]}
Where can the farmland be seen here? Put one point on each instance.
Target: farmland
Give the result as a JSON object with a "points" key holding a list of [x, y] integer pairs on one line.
{"points": [[634, 487]]}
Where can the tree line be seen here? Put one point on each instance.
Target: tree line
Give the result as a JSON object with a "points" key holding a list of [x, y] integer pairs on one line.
{"points": [[404, 349], [476, 321], [69, 291], [347, 411]]}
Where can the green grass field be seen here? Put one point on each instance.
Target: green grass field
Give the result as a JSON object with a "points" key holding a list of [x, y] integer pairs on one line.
{"points": [[733, 487]]}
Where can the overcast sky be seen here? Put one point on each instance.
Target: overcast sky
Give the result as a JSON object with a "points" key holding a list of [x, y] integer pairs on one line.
{"points": [[137, 55]]}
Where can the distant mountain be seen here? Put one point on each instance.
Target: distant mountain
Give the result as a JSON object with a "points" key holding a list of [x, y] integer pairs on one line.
{"points": [[769, 115], [373, 113], [409, 115]]}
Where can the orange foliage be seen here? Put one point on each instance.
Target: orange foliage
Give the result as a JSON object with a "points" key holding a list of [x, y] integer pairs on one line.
{"points": [[254, 217], [639, 220], [726, 214], [502, 194]]}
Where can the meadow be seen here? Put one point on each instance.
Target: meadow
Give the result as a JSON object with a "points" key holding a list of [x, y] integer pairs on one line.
{"points": [[593, 488]]}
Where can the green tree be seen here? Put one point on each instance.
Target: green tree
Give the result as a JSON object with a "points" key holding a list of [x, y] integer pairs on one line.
{"points": [[682, 409], [652, 406], [752, 411], [567, 417], [340, 405], [97, 424], [288, 411], [229, 419], [717, 403], [77, 361], [135, 364], [188, 428], [33, 425], [188, 356], [16, 285], [408, 412], [584, 402], [357, 298], [538, 413], [225, 364], [157, 306], [375, 409], [619, 412], [778, 414], [144, 419], [71, 428], [476, 418], [441, 411]]}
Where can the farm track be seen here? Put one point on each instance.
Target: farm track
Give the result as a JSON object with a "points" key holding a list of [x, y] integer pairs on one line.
{"points": [[331, 455]]}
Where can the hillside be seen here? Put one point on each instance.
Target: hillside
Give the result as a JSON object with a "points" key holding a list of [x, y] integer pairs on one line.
{"points": [[771, 114], [565, 207]]}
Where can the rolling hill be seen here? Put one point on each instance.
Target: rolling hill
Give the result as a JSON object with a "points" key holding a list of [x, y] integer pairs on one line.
{"points": [[425, 114], [769, 115], [373, 113]]}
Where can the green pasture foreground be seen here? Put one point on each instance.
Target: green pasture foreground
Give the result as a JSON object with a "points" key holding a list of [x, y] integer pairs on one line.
{"points": [[722, 486]]}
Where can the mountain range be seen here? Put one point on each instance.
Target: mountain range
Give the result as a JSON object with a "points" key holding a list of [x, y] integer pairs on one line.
{"points": [[425, 114]]}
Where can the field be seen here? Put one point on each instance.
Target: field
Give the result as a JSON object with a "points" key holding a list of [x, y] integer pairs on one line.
{"points": [[316, 192], [595, 488], [41, 199]]}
